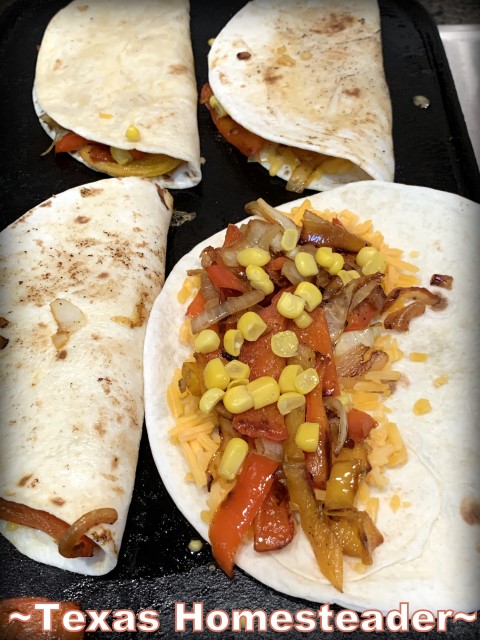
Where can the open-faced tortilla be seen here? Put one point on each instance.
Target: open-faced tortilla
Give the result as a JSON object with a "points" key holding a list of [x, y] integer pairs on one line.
{"points": [[430, 556], [308, 75], [121, 74], [78, 277]]}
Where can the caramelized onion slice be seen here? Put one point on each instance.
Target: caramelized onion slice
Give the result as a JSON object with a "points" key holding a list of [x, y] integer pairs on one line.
{"points": [[68, 543], [415, 294], [352, 363], [261, 208], [400, 320], [43, 521], [441, 280], [225, 309], [326, 234]]}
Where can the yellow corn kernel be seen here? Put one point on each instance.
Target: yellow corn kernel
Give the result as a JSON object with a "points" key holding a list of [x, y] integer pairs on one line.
{"points": [[377, 264], [289, 401], [237, 382], [286, 382], [253, 255], [207, 341], [232, 458], [303, 321], [290, 305], [237, 369], [251, 326], [210, 399], [418, 357], [238, 399], [233, 341], [264, 391], [210, 41], [259, 279], [215, 375], [284, 344], [422, 406], [348, 276], [337, 264], [364, 255], [132, 133], [310, 293], [306, 265], [289, 239], [324, 257], [307, 436], [306, 381]]}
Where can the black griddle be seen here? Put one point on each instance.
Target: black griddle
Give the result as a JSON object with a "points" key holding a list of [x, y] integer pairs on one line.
{"points": [[432, 149]]}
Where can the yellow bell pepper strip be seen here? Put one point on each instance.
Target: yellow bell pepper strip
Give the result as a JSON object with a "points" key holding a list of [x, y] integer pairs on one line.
{"points": [[235, 514], [273, 527], [318, 462], [150, 166], [358, 535], [315, 524], [342, 485]]}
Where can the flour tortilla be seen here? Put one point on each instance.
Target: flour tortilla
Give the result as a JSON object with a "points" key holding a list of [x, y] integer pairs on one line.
{"points": [[430, 555], [72, 418], [129, 60], [314, 80]]}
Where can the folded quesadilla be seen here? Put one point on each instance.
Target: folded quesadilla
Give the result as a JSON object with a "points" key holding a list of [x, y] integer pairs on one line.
{"points": [[299, 87], [115, 87], [404, 349], [78, 277]]}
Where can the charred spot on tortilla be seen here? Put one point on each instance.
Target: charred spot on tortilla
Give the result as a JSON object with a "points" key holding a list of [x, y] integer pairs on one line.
{"points": [[85, 192], [177, 69], [271, 75], [4, 323], [353, 92], [102, 275], [244, 55], [48, 203], [82, 219], [470, 510], [62, 355], [3, 342], [23, 481], [334, 23]]}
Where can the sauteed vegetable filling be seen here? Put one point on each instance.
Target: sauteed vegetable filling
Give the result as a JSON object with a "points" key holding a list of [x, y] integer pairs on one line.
{"points": [[280, 410]]}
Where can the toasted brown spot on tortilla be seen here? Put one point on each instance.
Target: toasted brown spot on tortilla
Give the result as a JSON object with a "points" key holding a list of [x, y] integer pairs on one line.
{"points": [[61, 355], [177, 69], [114, 462], [271, 75], [109, 476], [48, 203], [100, 428], [334, 23], [101, 537], [137, 320], [95, 336], [58, 501], [244, 55], [103, 275], [3, 342], [23, 481], [470, 510], [85, 192], [39, 243], [352, 92], [83, 7], [82, 219], [223, 78], [4, 323], [57, 64], [138, 229]]}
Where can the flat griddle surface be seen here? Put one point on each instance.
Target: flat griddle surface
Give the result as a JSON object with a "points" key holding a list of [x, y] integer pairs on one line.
{"points": [[432, 149]]}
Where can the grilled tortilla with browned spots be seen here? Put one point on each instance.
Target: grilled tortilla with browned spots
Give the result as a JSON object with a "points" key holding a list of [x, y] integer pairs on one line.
{"points": [[78, 276]]}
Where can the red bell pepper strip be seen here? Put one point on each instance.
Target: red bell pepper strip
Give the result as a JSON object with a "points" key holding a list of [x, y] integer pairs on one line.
{"points": [[223, 278], [360, 317], [235, 514], [266, 422], [232, 236], [359, 424], [196, 306], [245, 141], [317, 337], [273, 527], [70, 142]]}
